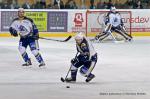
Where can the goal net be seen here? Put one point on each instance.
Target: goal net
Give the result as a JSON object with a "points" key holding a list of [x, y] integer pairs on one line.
{"points": [[95, 22]]}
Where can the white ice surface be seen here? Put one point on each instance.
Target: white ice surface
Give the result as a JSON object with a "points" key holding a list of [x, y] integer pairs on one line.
{"points": [[122, 69]]}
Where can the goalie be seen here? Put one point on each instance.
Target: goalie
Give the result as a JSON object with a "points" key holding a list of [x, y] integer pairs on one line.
{"points": [[113, 22]]}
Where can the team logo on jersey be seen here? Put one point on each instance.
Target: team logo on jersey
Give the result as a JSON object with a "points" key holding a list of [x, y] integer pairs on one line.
{"points": [[22, 29], [78, 20]]}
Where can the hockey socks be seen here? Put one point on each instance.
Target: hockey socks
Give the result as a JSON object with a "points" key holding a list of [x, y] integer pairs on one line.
{"points": [[25, 57], [73, 76], [40, 59]]}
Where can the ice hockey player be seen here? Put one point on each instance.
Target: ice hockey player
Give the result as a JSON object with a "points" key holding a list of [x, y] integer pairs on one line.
{"points": [[29, 35], [113, 22], [85, 59]]}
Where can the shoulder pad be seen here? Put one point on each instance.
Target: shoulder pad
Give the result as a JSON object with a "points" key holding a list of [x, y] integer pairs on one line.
{"points": [[28, 19], [117, 13], [15, 19], [83, 45]]}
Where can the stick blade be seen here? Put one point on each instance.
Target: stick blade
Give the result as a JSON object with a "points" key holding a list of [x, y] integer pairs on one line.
{"points": [[62, 79], [68, 38]]}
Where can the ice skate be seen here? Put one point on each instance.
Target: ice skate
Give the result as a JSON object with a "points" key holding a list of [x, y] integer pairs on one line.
{"points": [[90, 77]]}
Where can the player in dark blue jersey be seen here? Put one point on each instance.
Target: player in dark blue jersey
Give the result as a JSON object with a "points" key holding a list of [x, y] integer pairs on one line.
{"points": [[29, 35], [85, 59]]}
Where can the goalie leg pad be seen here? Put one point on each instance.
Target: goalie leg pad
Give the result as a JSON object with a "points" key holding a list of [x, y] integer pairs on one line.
{"points": [[108, 28], [124, 30], [105, 33], [103, 36], [125, 35]]}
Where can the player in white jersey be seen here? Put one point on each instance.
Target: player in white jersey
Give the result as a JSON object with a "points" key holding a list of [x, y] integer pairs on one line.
{"points": [[85, 59], [29, 35], [113, 22]]}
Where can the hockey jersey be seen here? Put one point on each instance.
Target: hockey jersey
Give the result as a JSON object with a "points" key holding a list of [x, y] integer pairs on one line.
{"points": [[114, 19], [86, 48], [25, 27]]}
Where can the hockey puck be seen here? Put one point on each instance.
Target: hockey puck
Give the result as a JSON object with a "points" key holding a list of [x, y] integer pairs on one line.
{"points": [[67, 86]]}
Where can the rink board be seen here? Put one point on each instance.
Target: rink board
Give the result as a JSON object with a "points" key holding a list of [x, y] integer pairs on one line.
{"points": [[45, 34], [61, 23]]}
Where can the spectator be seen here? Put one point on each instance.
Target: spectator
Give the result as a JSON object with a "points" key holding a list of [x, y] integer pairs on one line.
{"points": [[67, 4], [138, 5], [55, 5], [147, 5], [101, 5], [109, 4], [60, 4], [38, 5], [16, 5], [118, 4], [0, 4], [71, 4], [43, 3], [129, 4], [10, 3], [92, 6], [83, 6], [145, 1], [49, 6], [5, 5], [26, 5]]}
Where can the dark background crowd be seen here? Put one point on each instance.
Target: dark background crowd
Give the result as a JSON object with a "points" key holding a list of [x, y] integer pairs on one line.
{"points": [[74, 4]]}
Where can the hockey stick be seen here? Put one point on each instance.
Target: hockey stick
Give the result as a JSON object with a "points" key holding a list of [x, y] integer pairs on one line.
{"points": [[67, 39], [64, 79]]}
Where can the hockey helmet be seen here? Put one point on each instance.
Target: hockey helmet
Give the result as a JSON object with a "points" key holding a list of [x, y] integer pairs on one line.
{"points": [[113, 9], [21, 10], [79, 37]]}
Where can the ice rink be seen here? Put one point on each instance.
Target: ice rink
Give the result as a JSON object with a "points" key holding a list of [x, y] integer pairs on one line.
{"points": [[122, 71]]}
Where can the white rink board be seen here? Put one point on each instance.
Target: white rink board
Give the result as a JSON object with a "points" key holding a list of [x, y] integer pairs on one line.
{"points": [[140, 19], [76, 17]]}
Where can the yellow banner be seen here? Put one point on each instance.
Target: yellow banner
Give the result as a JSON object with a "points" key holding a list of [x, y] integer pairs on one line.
{"points": [[39, 18]]}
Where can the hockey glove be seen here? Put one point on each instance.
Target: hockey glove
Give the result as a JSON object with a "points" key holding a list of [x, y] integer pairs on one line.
{"points": [[13, 32], [94, 57], [36, 37], [74, 61]]}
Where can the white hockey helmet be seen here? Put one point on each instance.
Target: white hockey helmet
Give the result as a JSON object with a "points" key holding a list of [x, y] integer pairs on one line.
{"points": [[79, 37], [21, 10], [113, 9]]}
